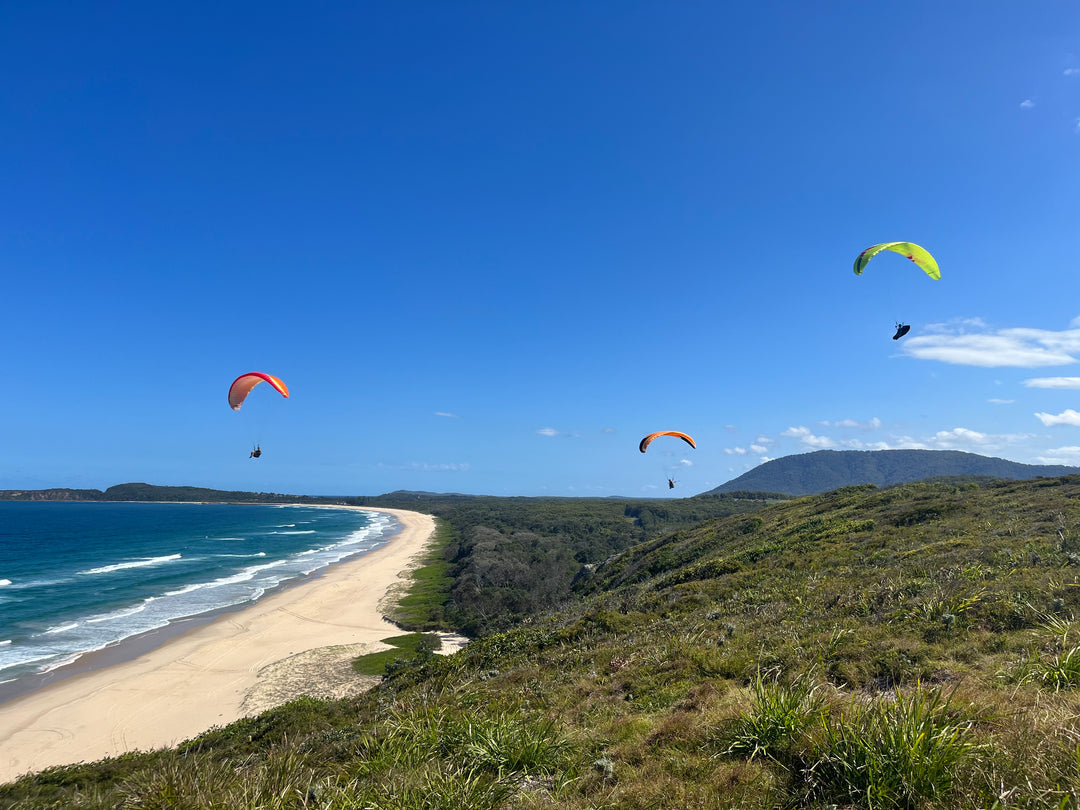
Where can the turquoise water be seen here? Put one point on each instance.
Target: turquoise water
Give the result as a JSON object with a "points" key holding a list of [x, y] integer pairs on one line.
{"points": [[79, 577]]}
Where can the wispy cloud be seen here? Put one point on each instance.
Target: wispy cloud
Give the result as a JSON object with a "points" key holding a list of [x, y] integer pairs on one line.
{"points": [[1027, 104], [872, 424], [996, 401], [444, 413], [1066, 417], [1061, 455], [972, 343], [429, 466], [961, 438], [686, 462], [1072, 71], [807, 437], [548, 431], [958, 438], [1069, 383]]}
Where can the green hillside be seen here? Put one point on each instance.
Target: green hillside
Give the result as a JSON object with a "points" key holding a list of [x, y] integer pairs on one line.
{"points": [[826, 470], [909, 647]]}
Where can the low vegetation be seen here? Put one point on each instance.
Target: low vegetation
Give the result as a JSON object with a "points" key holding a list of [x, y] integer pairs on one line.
{"points": [[909, 647], [407, 650]]}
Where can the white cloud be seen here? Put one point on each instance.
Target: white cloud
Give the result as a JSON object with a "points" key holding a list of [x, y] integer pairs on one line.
{"points": [[1061, 455], [548, 432], [873, 424], [807, 437], [996, 401], [974, 441], [735, 451], [959, 438], [957, 324], [1072, 71], [1066, 417], [1027, 104], [960, 435], [858, 444], [960, 344], [763, 440], [610, 430], [444, 413], [427, 466], [1053, 382], [686, 462], [759, 449]]}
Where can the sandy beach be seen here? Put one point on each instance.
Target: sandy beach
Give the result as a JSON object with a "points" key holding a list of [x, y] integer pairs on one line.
{"points": [[298, 641]]}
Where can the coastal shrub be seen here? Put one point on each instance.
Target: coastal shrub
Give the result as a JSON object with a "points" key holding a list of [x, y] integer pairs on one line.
{"points": [[424, 605], [409, 649]]}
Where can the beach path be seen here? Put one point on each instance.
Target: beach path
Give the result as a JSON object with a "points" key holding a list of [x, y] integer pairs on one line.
{"points": [[202, 678]]}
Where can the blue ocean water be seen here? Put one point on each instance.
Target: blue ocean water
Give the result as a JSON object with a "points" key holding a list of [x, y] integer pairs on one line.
{"points": [[79, 577]]}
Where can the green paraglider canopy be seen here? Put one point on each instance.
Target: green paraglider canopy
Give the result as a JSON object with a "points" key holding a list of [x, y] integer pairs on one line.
{"points": [[910, 250]]}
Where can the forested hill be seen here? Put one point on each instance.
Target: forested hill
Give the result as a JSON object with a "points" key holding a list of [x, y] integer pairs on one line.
{"points": [[825, 470]]}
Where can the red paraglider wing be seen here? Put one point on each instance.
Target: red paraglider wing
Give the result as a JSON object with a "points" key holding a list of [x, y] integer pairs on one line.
{"points": [[243, 384], [645, 442]]}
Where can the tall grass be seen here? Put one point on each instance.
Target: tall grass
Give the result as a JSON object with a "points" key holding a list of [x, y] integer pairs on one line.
{"points": [[898, 753], [1056, 671], [783, 710]]}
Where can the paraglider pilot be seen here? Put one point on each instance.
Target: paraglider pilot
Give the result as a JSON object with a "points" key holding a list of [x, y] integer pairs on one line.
{"points": [[901, 330], [256, 452]]}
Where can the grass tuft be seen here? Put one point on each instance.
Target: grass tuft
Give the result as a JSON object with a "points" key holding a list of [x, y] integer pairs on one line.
{"points": [[900, 753]]}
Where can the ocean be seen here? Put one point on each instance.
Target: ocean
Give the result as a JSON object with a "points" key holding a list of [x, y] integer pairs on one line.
{"points": [[80, 577]]}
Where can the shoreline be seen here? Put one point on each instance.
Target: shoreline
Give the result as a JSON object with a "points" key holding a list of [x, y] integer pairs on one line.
{"points": [[174, 683], [132, 647]]}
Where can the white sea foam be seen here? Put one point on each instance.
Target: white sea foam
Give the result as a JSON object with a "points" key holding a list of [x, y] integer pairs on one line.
{"points": [[4, 582], [108, 569], [298, 531], [123, 613], [5, 642], [60, 629], [63, 662], [37, 583], [64, 643]]}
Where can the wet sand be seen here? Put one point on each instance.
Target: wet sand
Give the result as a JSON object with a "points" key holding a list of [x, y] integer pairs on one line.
{"points": [[297, 641]]}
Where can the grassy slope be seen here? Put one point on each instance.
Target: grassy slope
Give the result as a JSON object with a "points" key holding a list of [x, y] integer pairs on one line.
{"points": [[907, 647]]}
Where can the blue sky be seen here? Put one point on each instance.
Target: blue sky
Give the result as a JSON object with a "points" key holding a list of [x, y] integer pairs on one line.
{"points": [[489, 245]]}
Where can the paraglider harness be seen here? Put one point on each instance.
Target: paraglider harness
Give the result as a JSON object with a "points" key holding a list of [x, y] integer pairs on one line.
{"points": [[256, 452]]}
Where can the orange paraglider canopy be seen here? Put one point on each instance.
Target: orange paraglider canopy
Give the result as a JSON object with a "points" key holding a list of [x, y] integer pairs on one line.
{"points": [[243, 384], [645, 442]]}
